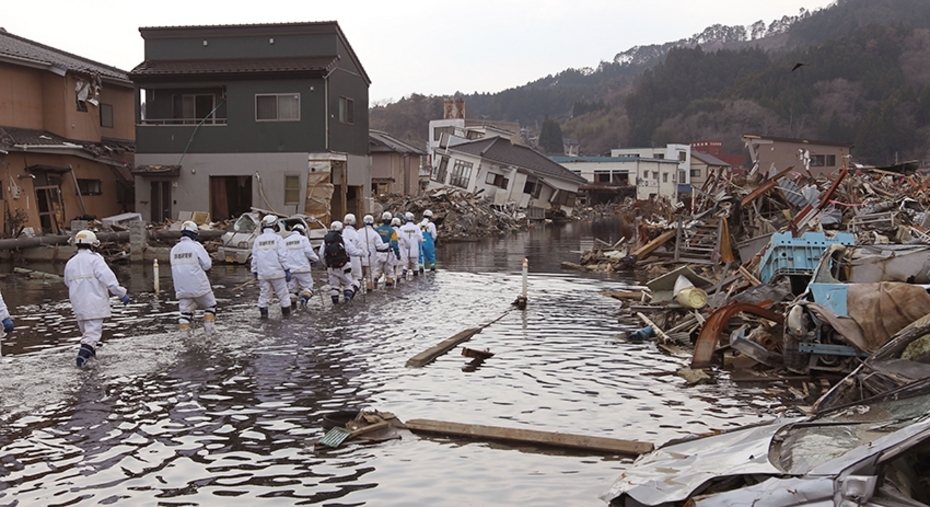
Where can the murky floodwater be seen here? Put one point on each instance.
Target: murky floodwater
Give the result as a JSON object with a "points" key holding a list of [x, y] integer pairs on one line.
{"points": [[226, 421]]}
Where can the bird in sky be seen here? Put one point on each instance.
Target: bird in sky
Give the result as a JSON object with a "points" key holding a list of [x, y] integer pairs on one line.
{"points": [[797, 66]]}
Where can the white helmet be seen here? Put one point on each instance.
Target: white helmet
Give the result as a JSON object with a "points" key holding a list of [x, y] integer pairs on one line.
{"points": [[386, 216], [188, 226], [349, 219], [409, 216], [86, 237], [335, 226], [299, 228], [368, 220], [428, 214], [269, 221], [395, 221]]}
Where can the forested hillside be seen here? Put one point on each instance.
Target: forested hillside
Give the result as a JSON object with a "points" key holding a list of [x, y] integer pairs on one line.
{"points": [[857, 72]]}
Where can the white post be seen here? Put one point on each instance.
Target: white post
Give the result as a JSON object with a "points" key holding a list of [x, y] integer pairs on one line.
{"points": [[155, 273], [525, 274]]}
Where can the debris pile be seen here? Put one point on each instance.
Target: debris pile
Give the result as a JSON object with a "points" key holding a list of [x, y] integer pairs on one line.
{"points": [[460, 215], [779, 274]]}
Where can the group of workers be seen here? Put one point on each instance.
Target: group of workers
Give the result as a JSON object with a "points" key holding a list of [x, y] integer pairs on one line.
{"points": [[353, 258]]}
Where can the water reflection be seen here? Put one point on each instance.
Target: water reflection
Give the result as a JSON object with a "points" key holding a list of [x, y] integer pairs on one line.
{"points": [[227, 421]]}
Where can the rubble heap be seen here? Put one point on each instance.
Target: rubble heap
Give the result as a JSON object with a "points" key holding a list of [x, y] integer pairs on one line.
{"points": [[460, 215]]}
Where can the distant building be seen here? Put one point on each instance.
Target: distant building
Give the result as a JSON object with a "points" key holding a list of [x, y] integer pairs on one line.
{"points": [[703, 166], [680, 153], [66, 137], [266, 115], [395, 165], [715, 148], [821, 156], [612, 178], [508, 174]]}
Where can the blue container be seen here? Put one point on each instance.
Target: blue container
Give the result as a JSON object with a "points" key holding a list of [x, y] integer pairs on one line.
{"points": [[787, 255]]}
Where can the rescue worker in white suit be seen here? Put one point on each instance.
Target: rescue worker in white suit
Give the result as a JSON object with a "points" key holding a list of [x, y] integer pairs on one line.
{"points": [[301, 258], [88, 279], [375, 251], [271, 268], [336, 254], [189, 265], [350, 235], [398, 266], [410, 238]]}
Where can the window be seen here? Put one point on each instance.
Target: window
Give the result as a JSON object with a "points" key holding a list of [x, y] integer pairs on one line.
{"points": [[291, 189], [660, 156], [664, 177], [655, 175], [695, 173], [563, 198], [89, 187], [194, 108], [277, 107], [682, 156], [602, 176], [533, 188], [106, 115], [439, 174], [823, 160], [439, 131], [498, 180], [346, 110], [461, 173]]}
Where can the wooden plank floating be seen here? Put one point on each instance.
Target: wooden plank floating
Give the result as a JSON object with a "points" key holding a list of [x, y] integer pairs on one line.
{"points": [[567, 440], [433, 352]]}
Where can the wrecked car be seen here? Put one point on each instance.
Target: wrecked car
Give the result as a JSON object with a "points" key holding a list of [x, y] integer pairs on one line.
{"points": [[871, 455], [237, 243]]}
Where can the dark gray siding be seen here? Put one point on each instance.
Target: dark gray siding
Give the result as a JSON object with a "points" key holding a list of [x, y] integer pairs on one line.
{"points": [[252, 46], [348, 81], [242, 134]]}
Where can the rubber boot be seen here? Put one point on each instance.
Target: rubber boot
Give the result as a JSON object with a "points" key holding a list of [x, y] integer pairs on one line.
{"points": [[209, 327], [285, 311], [303, 302], [349, 295], [389, 283], [335, 300], [85, 353], [184, 330], [404, 274], [264, 312]]}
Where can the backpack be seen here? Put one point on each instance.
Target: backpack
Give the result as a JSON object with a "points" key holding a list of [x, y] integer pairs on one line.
{"points": [[334, 253]]}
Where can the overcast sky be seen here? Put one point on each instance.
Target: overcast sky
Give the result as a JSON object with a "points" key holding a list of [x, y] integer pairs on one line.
{"points": [[411, 46]]}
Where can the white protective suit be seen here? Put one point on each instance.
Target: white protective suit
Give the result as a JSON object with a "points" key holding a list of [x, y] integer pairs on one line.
{"points": [[350, 235], [340, 279], [300, 257], [88, 279], [398, 259], [410, 237], [269, 262], [430, 228], [375, 251], [4, 312], [189, 265]]}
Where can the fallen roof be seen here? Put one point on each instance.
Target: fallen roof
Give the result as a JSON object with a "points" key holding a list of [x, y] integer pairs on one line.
{"points": [[503, 151], [16, 49], [708, 159]]}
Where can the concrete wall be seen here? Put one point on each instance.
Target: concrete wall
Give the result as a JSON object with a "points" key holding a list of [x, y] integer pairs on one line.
{"points": [[656, 177], [190, 190], [785, 154]]}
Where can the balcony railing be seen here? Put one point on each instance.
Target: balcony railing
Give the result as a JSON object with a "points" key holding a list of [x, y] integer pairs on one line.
{"points": [[182, 121]]}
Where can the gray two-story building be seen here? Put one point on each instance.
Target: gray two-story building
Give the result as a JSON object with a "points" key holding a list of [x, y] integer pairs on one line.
{"points": [[272, 116]]}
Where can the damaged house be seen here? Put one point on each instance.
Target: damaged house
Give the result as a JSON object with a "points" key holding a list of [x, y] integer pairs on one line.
{"points": [[231, 117], [508, 174], [66, 137], [395, 165]]}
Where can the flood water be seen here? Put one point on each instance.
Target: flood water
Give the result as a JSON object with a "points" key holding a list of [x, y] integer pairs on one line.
{"points": [[229, 420]]}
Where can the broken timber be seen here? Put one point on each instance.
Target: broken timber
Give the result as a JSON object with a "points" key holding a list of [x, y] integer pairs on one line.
{"points": [[567, 440], [660, 240], [433, 352]]}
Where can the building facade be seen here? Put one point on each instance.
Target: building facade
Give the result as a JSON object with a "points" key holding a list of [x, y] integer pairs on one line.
{"points": [[272, 116], [819, 157], [395, 165], [66, 137]]}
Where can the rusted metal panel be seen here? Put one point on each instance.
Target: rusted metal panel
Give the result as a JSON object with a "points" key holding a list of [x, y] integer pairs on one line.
{"points": [[707, 341]]}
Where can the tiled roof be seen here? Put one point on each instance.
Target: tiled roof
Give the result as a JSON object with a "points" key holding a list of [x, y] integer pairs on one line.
{"points": [[233, 66], [10, 136], [382, 142], [29, 52], [501, 150]]}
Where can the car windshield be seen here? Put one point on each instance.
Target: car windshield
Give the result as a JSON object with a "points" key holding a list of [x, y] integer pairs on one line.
{"points": [[245, 223], [799, 448]]}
